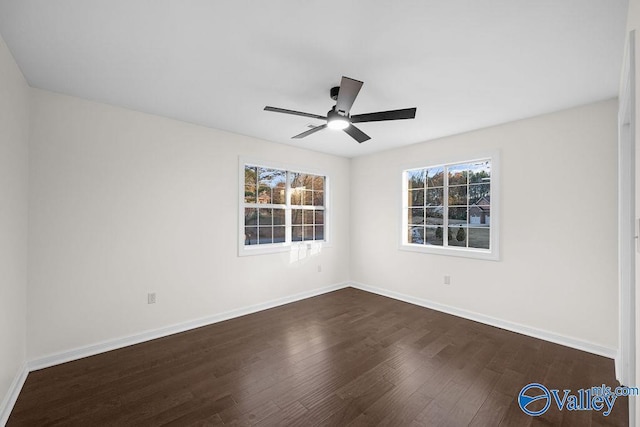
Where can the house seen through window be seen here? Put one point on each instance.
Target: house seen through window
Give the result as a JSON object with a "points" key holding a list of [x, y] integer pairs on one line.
{"points": [[449, 206]]}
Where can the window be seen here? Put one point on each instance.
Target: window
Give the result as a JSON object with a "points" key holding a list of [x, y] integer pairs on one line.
{"points": [[450, 209], [280, 207]]}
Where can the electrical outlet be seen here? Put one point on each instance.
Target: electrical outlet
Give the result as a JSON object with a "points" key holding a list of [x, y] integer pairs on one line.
{"points": [[151, 298], [319, 268], [447, 279]]}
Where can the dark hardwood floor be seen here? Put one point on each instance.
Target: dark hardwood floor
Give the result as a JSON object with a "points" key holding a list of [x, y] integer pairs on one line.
{"points": [[344, 358]]}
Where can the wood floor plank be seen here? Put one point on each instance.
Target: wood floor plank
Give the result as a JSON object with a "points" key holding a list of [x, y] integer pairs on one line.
{"points": [[320, 411], [492, 410], [285, 416], [343, 358], [473, 398]]}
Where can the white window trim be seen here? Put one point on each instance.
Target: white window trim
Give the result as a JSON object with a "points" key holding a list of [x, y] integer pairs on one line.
{"points": [[492, 254], [288, 245]]}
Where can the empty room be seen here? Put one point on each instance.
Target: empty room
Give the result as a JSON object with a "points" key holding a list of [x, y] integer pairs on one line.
{"points": [[411, 213]]}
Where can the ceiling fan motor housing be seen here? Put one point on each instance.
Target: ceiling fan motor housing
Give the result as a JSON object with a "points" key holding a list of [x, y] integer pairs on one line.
{"points": [[334, 92], [336, 115]]}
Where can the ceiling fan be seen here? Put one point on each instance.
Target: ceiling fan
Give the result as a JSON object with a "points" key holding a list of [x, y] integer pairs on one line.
{"points": [[339, 116]]}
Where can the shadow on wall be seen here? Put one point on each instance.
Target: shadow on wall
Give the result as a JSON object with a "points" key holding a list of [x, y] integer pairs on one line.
{"points": [[299, 253]]}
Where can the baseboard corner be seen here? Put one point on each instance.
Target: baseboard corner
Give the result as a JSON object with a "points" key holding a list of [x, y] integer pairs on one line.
{"points": [[545, 335], [12, 394]]}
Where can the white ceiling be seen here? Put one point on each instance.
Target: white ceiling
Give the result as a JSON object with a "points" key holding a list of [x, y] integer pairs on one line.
{"points": [[464, 64]]}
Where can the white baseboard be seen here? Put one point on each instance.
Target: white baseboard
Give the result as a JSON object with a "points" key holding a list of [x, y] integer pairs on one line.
{"points": [[101, 347], [12, 394], [492, 321], [618, 368]]}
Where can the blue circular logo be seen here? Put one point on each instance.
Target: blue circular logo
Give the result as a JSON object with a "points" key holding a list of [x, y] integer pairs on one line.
{"points": [[538, 392]]}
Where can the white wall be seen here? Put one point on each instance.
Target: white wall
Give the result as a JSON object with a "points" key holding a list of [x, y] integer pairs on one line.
{"points": [[558, 267], [124, 203], [14, 128], [633, 23]]}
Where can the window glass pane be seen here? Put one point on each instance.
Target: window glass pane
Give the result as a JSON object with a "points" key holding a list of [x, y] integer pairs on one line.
{"points": [[297, 196], [434, 236], [415, 178], [308, 217], [435, 177], [318, 183], [319, 217], [278, 217], [479, 216], [301, 185], [307, 233], [416, 235], [264, 190], [308, 198], [265, 216], [416, 216], [250, 184], [280, 194], [264, 194], [301, 181], [268, 181], [416, 197], [251, 235], [296, 216], [278, 234], [479, 238], [457, 236], [435, 196], [318, 198], [457, 216], [296, 233], [250, 194], [272, 177], [434, 216], [319, 232], [480, 172], [458, 174], [480, 194], [265, 235], [458, 195], [250, 216]]}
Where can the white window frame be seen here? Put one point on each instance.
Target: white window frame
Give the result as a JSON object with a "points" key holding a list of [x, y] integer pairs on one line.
{"points": [[288, 244], [493, 253]]}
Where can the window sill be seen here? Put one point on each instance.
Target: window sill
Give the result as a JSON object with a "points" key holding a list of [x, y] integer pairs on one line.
{"points": [[311, 246], [481, 254]]}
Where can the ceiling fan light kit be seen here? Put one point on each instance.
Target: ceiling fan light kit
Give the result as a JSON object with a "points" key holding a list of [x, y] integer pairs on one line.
{"points": [[338, 118], [337, 121]]}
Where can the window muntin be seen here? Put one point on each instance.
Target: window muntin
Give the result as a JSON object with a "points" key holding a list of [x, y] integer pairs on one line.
{"points": [[282, 207], [448, 207]]}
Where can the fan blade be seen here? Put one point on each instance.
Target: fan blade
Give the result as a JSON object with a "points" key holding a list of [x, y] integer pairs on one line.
{"points": [[357, 134], [349, 89], [295, 113], [407, 113], [309, 132]]}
